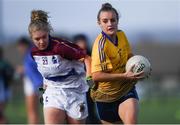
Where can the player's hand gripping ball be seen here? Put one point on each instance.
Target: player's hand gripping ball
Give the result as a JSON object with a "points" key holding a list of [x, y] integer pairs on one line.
{"points": [[139, 63]]}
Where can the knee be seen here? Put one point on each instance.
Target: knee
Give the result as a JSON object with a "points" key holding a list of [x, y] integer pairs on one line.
{"points": [[129, 118]]}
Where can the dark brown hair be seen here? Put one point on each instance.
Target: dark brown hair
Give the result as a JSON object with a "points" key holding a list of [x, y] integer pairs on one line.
{"points": [[107, 7]]}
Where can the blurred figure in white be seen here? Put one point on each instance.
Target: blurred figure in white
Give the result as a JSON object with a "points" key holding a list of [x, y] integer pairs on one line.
{"points": [[32, 80]]}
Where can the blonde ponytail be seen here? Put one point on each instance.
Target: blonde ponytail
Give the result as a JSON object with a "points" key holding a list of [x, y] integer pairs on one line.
{"points": [[39, 21]]}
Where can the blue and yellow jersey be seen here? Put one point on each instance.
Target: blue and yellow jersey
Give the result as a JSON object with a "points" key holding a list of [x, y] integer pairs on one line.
{"points": [[110, 57]]}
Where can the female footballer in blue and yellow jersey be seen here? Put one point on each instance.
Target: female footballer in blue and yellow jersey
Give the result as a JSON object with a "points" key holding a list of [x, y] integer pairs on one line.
{"points": [[114, 91]]}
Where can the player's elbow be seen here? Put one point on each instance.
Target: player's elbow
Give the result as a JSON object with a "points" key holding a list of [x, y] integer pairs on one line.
{"points": [[96, 77]]}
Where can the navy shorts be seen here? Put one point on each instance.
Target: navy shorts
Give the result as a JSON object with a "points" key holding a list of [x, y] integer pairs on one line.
{"points": [[109, 111]]}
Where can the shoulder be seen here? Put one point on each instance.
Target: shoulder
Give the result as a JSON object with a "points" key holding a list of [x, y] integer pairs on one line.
{"points": [[100, 37], [53, 47], [68, 49], [58, 42], [99, 41], [120, 32], [34, 49]]}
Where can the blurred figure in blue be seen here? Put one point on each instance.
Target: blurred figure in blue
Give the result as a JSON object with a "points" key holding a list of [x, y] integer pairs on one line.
{"points": [[82, 41], [6, 77], [32, 80]]}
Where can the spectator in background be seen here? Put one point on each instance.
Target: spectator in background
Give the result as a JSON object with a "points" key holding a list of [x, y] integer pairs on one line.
{"points": [[32, 80], [81, 40], [6, 76]]}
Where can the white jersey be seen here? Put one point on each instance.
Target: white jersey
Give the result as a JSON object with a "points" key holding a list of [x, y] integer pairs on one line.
{"points": [[58, 71]]}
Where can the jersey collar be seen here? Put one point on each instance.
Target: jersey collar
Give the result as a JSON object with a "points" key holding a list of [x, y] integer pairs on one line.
{"points": [[114, 42]]}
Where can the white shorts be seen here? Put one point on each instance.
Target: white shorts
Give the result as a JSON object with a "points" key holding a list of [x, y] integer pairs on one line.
{"points": [[73, 103], [28, 87]]}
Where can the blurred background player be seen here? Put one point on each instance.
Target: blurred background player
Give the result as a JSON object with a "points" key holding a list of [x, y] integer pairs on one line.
{"points": [[32, 80], [115, 96], [6, 76], [82, 41]]}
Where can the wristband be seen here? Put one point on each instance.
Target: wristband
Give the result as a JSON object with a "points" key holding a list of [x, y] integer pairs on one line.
{"points": [[89, 81]]}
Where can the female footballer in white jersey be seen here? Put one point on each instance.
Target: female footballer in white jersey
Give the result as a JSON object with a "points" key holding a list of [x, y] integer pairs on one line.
{"points": [[59, 62]]}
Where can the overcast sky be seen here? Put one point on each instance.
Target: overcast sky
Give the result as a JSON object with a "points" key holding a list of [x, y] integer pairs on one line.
{"points": [[75, 16]]}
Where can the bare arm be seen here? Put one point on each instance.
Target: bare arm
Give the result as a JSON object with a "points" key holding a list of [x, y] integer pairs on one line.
{"points": [[87, 61], [107, 77]]}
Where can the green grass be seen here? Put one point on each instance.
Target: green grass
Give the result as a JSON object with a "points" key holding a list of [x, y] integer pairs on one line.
{"points": [[157, 110], [160, 111], [16, 112]]}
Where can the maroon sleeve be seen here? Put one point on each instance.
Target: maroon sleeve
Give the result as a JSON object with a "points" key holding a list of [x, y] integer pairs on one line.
{"points": [[70, 51]]}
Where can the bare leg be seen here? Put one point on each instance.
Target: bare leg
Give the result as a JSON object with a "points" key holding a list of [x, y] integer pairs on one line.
{"points": [[54, 116], [128, 111], [32, 109]]}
